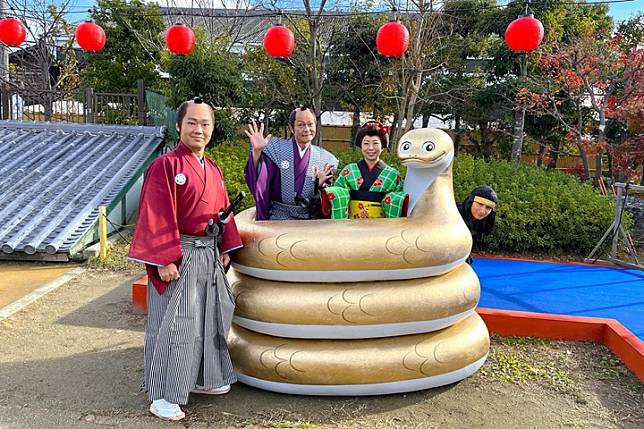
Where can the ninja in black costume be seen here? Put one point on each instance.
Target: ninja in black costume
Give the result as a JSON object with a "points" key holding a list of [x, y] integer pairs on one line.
{"points": [[478, 212]]}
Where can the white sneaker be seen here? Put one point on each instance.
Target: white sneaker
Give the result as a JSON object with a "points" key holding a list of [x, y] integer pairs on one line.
{"points": [[216, 391], [166, 410]]}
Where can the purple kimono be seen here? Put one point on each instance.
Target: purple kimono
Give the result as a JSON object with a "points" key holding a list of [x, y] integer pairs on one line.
{"points": [[281, 174]]}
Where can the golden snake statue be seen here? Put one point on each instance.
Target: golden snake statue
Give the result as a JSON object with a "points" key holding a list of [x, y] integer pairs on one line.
{"points": [[362, 307]]}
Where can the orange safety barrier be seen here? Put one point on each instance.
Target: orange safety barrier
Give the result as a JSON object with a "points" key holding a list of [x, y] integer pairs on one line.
{"points": [[626, 346], [140, 295]]}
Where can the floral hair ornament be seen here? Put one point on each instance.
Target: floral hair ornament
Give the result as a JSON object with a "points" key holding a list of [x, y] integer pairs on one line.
{"points": [[382, 129]]}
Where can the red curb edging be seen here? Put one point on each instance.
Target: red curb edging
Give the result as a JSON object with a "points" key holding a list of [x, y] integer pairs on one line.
{"points": [[626, 346]]}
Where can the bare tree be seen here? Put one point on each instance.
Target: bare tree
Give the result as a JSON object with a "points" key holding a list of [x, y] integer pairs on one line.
{"points": [[313, 28], [46, 65], [237, 21], [413, 70]]}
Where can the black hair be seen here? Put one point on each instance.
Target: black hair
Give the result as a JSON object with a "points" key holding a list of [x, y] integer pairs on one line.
{"points": [[183, 108], [291, 117], [372, 130]]}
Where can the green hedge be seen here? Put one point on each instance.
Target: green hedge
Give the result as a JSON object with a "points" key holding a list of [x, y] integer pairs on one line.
{"points": [[231, 158], [539, 211]]}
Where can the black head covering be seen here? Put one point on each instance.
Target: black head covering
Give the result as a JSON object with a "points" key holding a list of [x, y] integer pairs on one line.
{"points": [[484, 191], [483, 227]]}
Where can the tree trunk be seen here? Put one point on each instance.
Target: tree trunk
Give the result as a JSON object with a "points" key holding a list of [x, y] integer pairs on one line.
{"points": [[601, 138], [598, 168], [484, 147], [267, 118], [426, 117], [554, 156], [47, 105], [393, 140], [410, 113], [541, 154], [316, 105], [620, 176], [519, 118], [315, 70], [399, 113], [584, 160], [355, 124], [477, 142], [582, 151], [457, 133]]}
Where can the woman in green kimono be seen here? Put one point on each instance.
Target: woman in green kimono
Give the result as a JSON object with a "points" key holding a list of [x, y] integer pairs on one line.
{"points": [[368, 188]]}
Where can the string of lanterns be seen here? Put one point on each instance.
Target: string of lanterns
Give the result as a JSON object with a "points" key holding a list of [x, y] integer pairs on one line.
{"points": [[524, 34], [392, 39]]}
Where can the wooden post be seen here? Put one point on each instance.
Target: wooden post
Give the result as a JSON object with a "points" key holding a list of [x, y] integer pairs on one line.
{"points": [[140, 101], [89, 105], [102, 232]]}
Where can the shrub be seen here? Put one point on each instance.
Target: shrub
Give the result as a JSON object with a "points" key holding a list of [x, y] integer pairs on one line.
{"points": [[539, 211], [231, 158]]}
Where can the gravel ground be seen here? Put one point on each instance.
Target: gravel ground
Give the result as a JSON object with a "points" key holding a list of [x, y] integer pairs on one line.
{"points": [[73, 359]]}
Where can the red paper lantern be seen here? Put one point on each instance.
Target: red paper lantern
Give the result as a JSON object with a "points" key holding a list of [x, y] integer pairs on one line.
{"points": [[392, 39], [279, 41], [180, 39], [90, 36], [12, 31], [524, 34]]}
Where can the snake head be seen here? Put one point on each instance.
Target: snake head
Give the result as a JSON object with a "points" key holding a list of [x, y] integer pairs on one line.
{"points": [[425, 148]]}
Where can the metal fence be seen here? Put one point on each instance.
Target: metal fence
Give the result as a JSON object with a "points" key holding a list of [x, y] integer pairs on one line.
{"points": [[161, 114], [80, 106]]}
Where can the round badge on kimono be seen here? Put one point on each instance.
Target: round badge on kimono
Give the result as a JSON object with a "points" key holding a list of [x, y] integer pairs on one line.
{"points": [[285, 164], [180, 179]]}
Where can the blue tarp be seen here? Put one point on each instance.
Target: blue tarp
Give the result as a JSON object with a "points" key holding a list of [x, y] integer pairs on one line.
{"points": [[557, 288]]}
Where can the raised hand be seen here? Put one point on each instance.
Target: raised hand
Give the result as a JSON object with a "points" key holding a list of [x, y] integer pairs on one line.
{"points": [[256, 136]]}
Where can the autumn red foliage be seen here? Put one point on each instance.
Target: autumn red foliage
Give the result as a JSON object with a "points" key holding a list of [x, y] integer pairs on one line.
{"points": [[600, 75]]}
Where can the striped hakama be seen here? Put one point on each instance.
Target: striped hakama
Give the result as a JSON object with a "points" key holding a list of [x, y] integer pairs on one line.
{"points": [[187, 326]]}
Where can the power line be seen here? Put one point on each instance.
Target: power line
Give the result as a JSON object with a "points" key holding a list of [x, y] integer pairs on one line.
{"points": [[268, 13]]}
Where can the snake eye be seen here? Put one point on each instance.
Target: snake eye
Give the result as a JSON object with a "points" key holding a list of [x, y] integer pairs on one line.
{"points": [[405, 147], [428, 146]]}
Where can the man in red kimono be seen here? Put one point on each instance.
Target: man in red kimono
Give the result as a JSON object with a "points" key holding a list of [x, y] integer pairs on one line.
{"points": [[190, 305]]}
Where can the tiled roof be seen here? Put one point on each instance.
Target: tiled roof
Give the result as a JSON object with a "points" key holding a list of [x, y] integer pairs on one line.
{"points": [[53, 177]]}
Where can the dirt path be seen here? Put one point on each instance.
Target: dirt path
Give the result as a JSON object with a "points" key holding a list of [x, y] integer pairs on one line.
{"points": [[74, 359], [18, 279]]}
